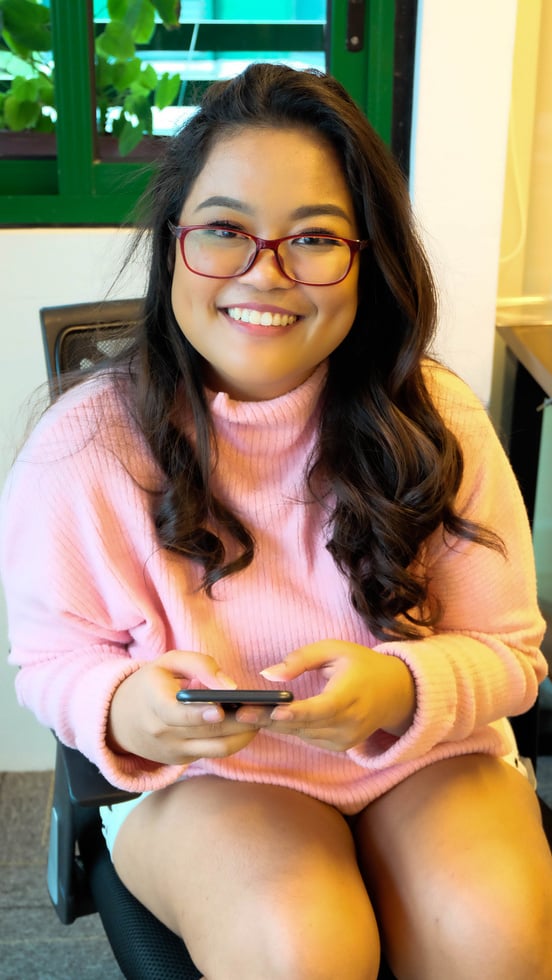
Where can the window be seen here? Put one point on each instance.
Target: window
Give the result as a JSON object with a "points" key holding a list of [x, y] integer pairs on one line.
{"points": [[75, 173]]}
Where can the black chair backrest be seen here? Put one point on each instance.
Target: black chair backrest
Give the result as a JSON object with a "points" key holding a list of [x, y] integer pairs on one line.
{"points": [[78, 336]]}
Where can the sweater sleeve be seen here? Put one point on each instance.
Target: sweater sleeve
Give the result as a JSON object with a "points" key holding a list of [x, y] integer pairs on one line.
{"points": [[75, 538], [483, 661]]}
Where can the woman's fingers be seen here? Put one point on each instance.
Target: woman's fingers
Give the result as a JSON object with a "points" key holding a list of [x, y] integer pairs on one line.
{"points": [[314, 656], [196, 666], [188, 750]]}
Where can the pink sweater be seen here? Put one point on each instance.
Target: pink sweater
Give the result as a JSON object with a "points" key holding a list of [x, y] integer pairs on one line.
{"points": [[91, 595]]}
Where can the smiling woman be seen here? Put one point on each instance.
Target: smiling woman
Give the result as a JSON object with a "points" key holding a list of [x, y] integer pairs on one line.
{"points": [[275, 486], [283, 328]]}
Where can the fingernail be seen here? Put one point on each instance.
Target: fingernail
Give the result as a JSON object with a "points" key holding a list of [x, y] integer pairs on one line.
{"points": [[249, 716], [226, 681], [282, 714], [212, 713]]}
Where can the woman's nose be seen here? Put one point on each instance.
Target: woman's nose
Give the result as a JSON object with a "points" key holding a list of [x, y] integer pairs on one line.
{"points": [[266, 270]]}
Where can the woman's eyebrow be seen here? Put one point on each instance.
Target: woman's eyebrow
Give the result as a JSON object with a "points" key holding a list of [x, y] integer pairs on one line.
{"points": [[310, 210], [226, 202], [305, 211]]}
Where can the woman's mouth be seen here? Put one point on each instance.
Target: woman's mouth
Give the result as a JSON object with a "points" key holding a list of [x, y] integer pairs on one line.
{"points": [[260, 317]]}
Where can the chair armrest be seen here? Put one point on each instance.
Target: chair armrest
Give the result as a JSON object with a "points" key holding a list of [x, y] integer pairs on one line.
{"points": [[85, 783], [79, 789]]}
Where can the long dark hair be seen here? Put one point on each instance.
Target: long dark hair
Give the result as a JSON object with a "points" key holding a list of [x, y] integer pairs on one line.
{"points": [[385, 458]]}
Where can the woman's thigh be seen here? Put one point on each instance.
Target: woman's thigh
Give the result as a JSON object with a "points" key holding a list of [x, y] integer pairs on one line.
{"points": [[460, 873], [258, 881]]}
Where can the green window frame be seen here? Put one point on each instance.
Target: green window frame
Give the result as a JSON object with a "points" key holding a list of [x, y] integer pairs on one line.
{"points": [[78, 188]]}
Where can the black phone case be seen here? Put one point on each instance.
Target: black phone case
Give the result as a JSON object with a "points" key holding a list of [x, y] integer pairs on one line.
{"points": [[235, 698]]}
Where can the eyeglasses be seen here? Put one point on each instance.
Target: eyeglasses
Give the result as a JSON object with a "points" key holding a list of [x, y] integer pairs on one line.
{"points": [[219, 252]]}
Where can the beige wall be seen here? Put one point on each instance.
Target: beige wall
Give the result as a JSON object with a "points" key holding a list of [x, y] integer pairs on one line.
{"points": [[526, 242], [538, 257]]}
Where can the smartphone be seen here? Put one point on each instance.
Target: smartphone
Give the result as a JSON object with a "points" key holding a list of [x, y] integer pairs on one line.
{"points": [[235, 699]]}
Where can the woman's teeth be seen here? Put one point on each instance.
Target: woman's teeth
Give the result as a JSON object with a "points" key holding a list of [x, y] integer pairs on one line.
{"points": [[264, 319]]}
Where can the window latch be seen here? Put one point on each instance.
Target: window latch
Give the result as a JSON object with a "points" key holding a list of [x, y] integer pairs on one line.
{"points": [[356, 10]]}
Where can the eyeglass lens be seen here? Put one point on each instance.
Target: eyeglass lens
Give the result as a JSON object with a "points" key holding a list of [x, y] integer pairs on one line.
{"points": [[220, 253]]}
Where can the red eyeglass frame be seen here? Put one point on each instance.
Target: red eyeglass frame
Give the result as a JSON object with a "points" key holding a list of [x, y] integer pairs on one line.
{"points": [[355, 246]]}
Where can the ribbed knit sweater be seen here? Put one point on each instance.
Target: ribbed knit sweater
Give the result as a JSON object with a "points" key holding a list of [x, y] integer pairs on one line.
{"points": [[91, 595]]}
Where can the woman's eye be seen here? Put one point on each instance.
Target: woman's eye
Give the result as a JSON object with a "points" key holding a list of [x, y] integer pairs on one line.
{"points": [[317, 241], [224, 233]]}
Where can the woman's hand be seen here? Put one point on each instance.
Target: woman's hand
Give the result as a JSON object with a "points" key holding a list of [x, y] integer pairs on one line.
{"points": [[365, 691], [145, 718]]}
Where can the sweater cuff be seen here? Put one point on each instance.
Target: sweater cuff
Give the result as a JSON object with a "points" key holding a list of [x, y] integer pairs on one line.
{"points": [[125, 771], [433, 722]]}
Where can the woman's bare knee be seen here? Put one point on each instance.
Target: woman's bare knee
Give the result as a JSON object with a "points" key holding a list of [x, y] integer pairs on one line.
{"points": [[309, 923], [275, 892], [294, 946], [461, 874]]}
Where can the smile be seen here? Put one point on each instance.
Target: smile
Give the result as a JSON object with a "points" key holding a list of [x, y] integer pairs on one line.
{"points": [[263, 319]]}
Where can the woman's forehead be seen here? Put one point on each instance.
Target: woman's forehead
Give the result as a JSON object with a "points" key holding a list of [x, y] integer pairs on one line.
{"points": [[261, 167]]}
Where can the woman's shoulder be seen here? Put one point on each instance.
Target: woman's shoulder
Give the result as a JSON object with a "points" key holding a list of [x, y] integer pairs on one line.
{"points": [[465, 415], [453, 398], [95, 419]]}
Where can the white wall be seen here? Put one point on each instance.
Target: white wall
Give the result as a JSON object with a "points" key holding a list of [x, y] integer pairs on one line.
{"points": [[458, 165], [41, 267]]}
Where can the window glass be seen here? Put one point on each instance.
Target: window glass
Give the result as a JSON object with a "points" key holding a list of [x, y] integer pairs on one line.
{"points": [[153, 58]]}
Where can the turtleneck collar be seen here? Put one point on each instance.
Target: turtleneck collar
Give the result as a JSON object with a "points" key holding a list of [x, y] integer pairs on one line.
{"points": [[287, 417], [263, 447]]}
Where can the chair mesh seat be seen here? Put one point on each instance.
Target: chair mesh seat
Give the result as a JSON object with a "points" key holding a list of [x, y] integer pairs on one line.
{"points": [[144, 948]]}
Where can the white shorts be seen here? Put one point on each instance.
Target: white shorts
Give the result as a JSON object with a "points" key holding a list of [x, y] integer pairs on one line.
{"points": [[114, 816]]}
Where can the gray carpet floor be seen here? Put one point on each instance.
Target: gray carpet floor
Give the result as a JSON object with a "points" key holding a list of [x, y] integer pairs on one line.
{"points": [[34, 945]]}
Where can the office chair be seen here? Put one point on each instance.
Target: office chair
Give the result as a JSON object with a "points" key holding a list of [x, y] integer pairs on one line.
{"points": [[79, 336], [81, 877]]}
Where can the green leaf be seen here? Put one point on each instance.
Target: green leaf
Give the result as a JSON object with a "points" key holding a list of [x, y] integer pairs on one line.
{"points": [[138, 91], [115, 42], [167, 90], [141, 21], [148, 78], [28, 24], [118, 124], [46, 91], [20, 115], [137, 15], [25, 89], [129, 138], [138, 105], [104, 74], [45, 124], [117, 9], [125, 73], [17, 49], [168, 10]]}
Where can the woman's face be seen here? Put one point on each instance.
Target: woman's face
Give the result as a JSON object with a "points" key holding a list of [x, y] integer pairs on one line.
{"points": [[270, 183]]}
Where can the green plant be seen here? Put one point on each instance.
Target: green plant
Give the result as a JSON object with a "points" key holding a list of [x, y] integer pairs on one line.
{"points": [[28, 101], [126, 88]]}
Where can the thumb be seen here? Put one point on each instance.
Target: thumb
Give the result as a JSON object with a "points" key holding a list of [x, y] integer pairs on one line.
{"points": [[196, 666], [310, 657]]}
